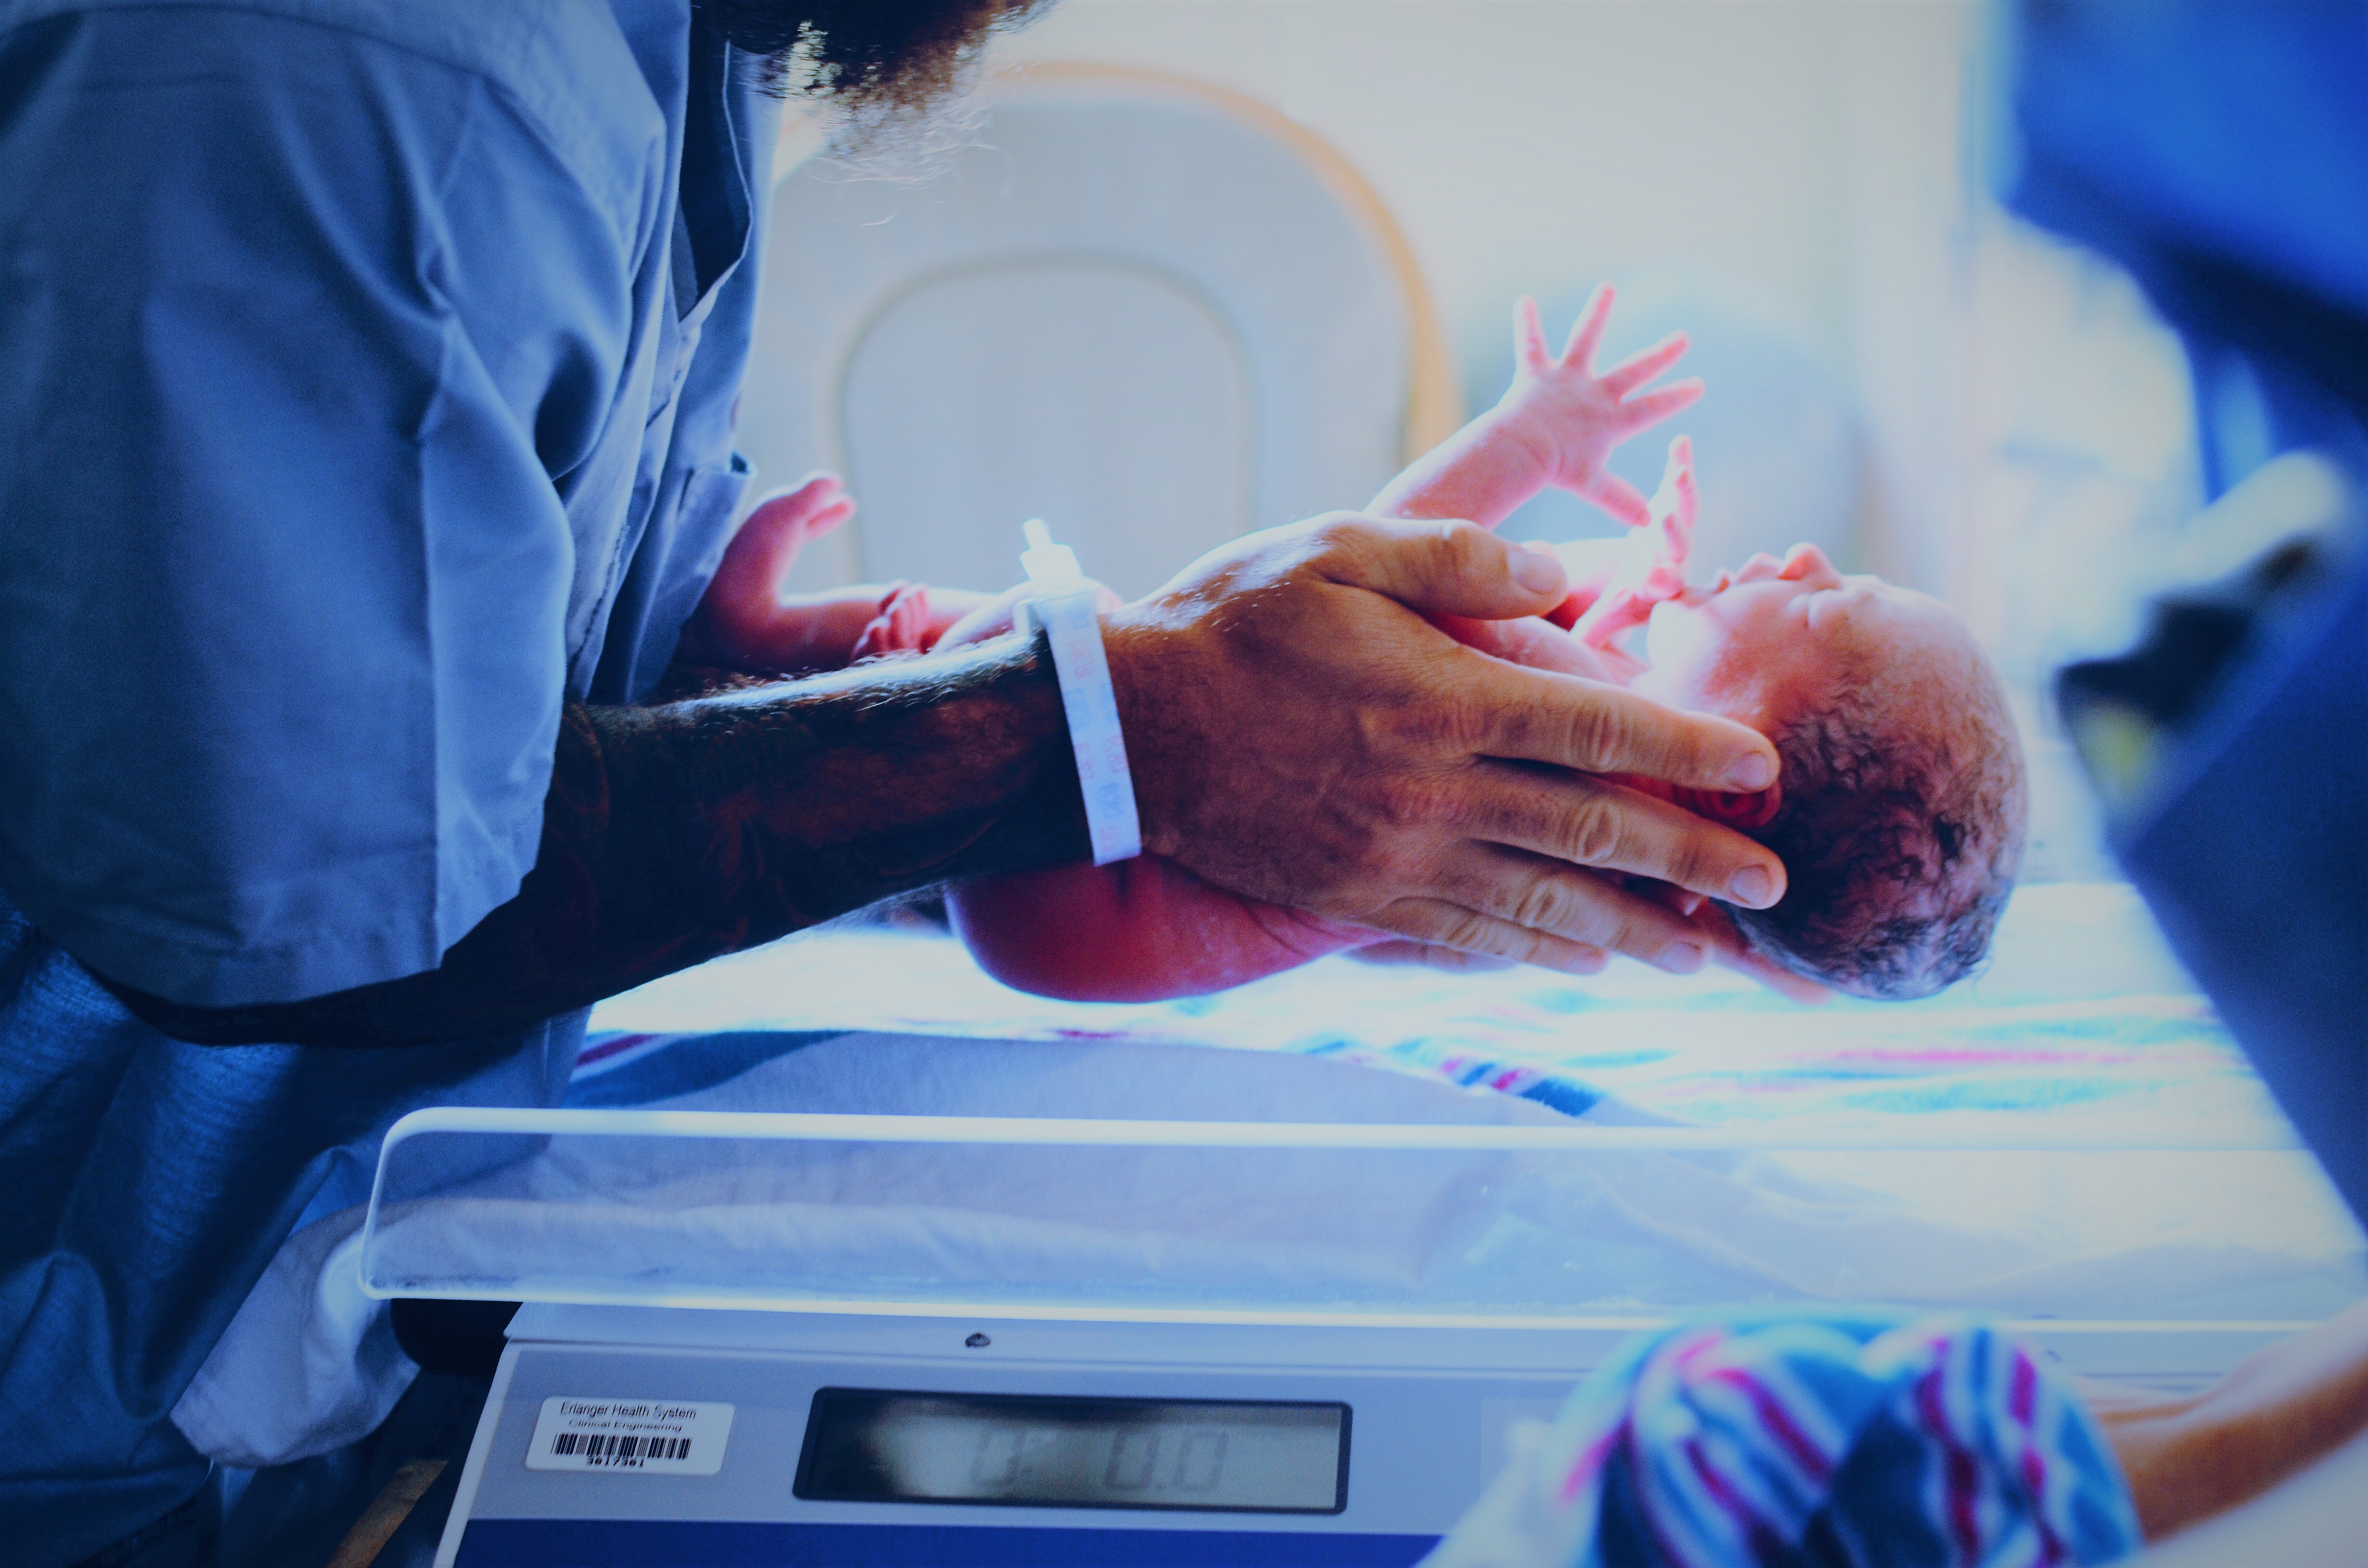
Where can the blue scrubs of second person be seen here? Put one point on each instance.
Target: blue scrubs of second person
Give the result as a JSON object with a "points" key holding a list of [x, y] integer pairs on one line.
{"points": [[367, 389]]}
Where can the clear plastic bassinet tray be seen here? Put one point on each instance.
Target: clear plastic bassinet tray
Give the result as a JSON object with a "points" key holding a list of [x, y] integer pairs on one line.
{"points": [[1342, 1222]]}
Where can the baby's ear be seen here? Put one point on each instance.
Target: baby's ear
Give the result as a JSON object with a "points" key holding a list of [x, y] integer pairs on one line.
{"points": [[1757, 809]]}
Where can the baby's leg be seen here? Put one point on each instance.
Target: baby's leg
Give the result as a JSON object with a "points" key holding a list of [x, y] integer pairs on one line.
{"points": [[1143, 930]]}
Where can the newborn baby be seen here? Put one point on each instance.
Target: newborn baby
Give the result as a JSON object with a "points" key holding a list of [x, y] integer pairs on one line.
{"points": [[1898, 810]]}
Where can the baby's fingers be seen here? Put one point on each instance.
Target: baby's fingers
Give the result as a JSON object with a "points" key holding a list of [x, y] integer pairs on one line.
{"points": [[1617, 496], [1588, 331], [1530, 337], [1677, 501], [1638, 368], [1650, 408]]}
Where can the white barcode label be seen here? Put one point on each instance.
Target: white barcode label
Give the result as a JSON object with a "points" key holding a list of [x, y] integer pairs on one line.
{"points": [[633, 1437]]}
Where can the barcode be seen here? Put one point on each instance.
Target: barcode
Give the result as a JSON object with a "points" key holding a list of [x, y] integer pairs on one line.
{"points": [[606, 1447]]}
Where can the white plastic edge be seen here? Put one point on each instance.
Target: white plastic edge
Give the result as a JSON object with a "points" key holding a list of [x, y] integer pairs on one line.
{"points": [[814, 1126]]}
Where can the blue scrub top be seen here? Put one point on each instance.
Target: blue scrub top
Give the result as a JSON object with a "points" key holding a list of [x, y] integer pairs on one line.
{"points": [[367, 372], [2220, 153]]}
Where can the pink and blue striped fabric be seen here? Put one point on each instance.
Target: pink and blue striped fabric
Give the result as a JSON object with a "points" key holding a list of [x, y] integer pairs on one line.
{"points": [[1838, 1441]]}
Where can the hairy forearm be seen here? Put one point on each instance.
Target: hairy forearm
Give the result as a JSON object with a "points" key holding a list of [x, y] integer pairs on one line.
{"points": [[675, 834], [1482, 474]]}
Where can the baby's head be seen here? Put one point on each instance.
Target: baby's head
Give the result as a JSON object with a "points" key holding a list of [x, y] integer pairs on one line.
{"points": [[1900, 806]]}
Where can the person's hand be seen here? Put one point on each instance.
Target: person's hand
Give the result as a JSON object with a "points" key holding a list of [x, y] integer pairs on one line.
{"points": [[1729, 949], [1298, 733], [1400, 952], [1653, 564], [1575, 417], [743, 622]]}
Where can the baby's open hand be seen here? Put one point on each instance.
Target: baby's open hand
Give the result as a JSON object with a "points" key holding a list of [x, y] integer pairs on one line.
{"points": [[1576, 416], [1655, 564]]}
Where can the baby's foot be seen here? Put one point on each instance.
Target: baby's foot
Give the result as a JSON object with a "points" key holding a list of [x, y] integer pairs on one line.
{"points": [[741, 622]]}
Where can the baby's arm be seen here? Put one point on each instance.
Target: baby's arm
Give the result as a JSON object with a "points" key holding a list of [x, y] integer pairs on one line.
{"points": [[1555, 424]]}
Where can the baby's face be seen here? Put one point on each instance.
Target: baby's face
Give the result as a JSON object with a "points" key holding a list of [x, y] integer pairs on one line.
{"points": [[1768, 642]]}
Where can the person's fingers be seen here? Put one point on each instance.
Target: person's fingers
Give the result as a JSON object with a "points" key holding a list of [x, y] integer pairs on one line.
{"points": [[1536, 716], [1530, 337], [1595, 822], [1450, 568], [1775, 977], [1638, 368], [1440, 924], [1586, 332], [1677, 898], [1650, 408], [1540, 893], [1400, 952], [1730, 949], [1540, 644], [1617, 496]]}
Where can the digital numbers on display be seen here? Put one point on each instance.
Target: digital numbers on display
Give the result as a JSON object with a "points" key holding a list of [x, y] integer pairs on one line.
{"points": [[865, 1445]]}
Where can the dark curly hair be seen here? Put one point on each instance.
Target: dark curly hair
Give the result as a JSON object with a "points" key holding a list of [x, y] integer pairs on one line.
{"points": [[875, 58], [1901, 828]]}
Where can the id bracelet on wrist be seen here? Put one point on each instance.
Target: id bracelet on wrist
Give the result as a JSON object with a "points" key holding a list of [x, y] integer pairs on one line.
{"points": [[1064, 605]]}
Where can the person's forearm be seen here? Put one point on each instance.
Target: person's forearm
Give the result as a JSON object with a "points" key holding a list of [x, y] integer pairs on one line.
{"points": [[675, 834], [1482, 474], [2280, 1408]]}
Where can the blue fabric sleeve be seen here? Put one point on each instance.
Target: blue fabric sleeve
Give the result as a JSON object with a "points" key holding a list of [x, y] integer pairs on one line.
{"points": [[301, 326]]}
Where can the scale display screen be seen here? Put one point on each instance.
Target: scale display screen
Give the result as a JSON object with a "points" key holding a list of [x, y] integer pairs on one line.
{"points": [[1044, 1451]]}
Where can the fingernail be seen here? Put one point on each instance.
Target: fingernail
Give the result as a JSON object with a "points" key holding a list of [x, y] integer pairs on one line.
{"points": [[1536, 570], [1753, 887], [1683, 959], [1753, 772]]}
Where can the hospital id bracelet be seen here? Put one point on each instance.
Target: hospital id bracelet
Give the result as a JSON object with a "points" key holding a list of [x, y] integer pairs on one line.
{"points": [[1065, 606]]}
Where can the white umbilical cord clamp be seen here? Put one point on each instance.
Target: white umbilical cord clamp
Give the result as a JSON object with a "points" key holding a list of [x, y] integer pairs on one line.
{"points": [[1064, 604]]}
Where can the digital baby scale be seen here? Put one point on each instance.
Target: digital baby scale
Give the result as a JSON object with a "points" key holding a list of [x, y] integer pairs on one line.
{"points": [[756, 1338]]}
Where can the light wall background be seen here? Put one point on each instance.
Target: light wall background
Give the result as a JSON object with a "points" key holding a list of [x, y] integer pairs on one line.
{"points": [[1802, 159], [2019, 430]]}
